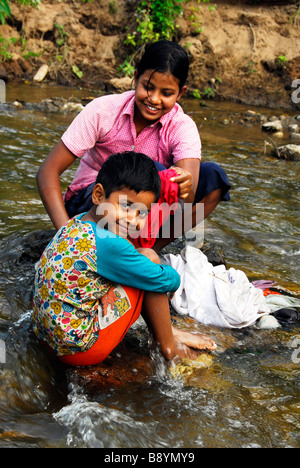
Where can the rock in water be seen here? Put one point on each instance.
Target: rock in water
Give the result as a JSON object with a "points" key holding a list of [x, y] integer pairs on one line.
{"points": [[41, 73], [287, 152], [275, 126], [268, 322]]}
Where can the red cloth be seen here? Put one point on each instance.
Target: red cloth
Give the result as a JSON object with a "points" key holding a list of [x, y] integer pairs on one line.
{"points": [[268, 291], [160, 212]]}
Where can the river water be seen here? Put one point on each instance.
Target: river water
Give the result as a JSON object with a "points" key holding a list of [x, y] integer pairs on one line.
{"points": [[244, 395]]}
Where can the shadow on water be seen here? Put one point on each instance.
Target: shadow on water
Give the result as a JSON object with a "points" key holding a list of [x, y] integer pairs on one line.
{"points": [[246, 394]]}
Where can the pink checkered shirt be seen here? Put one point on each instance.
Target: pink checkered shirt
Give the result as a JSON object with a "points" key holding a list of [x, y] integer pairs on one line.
{"points": [[105, 126]]}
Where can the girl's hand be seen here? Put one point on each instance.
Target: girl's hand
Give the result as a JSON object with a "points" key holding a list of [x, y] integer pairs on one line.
{"points": [[184, 181]]}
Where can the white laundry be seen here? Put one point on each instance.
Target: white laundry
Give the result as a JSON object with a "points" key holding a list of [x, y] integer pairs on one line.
{"points": [[278, 301], [213, 295]]}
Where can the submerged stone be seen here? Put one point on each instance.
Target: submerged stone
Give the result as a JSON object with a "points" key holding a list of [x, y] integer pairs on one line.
{"points": [[287, 152], [268, 322]]}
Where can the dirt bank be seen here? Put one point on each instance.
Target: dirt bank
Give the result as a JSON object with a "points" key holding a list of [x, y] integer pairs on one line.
{"points": [[246, 51]]}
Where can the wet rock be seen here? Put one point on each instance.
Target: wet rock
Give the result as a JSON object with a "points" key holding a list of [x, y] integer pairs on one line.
{"points": [[288, 152], [34, 245], [18, 105], [295, 136], [41, 73], [274, 126], [121, 84], [293, 127], [3, 73], [115, 370], [72, 107], [214, 253], [51, 105], [26, 248], [268, 322]]}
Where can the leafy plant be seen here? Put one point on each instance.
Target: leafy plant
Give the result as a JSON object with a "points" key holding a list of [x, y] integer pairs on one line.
{"points": [[31, 54], [126, 68], [281, 60], [62, 34], [209, 92], [77, 71], [294, 16], [4, 11], [5, 55], [155, 19], [32, 3], [196, 94]]}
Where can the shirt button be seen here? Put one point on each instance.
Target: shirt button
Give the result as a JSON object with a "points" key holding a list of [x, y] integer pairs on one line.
{"points": [[132, 146]]}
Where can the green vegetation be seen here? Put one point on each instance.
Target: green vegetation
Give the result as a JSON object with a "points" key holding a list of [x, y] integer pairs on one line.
{"points": [[4, 10], [4, 49], [157, 19], [281, 60]]}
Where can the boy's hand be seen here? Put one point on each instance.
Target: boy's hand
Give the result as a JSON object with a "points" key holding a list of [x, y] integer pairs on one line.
{"points": [[184, 181]]}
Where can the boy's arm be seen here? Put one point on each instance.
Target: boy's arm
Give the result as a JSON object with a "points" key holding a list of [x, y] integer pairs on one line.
{"points": [[120, 262]]}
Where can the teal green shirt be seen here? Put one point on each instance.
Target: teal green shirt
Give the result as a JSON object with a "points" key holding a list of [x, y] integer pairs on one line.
{"points": [[119, 261]]}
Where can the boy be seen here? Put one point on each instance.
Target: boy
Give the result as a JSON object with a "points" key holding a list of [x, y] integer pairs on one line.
{"points": [[91, 282]]}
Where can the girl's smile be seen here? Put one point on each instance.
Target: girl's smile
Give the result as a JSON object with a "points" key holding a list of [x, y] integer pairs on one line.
{"points": [[155, 95]]}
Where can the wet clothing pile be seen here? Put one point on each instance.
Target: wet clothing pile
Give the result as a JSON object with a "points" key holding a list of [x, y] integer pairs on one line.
{"points": [[282, 303], [213, 295]]}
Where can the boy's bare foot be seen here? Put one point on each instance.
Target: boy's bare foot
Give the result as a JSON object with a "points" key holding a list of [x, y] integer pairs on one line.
{"points": [[194, 340]]}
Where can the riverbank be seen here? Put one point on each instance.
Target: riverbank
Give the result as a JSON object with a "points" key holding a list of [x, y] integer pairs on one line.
{"points": [[247, 53]]}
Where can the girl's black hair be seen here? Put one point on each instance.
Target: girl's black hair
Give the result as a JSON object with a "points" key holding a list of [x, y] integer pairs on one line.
{"points": [[165, 57], [136, 171]]}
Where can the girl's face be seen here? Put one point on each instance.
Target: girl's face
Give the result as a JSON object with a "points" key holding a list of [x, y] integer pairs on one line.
{"points": [[156, 97]]}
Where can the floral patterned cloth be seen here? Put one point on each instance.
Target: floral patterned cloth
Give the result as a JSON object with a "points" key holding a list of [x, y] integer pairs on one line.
{"points": [[72, 301]]}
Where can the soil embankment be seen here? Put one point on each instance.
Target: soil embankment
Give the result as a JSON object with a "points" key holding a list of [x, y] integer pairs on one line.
{"points": [[244, 51]]}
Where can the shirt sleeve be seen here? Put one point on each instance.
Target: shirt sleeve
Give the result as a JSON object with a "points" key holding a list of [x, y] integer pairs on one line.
{"points": [[120, 262], [85, 130], [185, 139]]}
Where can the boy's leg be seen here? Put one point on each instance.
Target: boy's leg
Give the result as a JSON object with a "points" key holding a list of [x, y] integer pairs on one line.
{"points": [[156, 307], [110, 336], [173, 343]]}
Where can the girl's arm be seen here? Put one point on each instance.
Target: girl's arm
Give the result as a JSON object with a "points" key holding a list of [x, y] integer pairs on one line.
{"points": [[49, 186]]}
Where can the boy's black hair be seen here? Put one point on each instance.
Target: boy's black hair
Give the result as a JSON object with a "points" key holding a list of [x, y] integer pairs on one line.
{"points": [[134, 170], [165, 57]]}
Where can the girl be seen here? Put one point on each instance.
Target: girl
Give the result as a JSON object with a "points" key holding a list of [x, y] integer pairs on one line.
{"points": [[148, 120]]}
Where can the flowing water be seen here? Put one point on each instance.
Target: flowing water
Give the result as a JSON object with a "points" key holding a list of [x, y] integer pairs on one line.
{"points": [[244, 395]]}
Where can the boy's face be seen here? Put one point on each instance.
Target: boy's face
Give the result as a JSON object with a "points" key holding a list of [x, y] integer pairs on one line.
{"points": [[156, 98], [124, 212]]}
